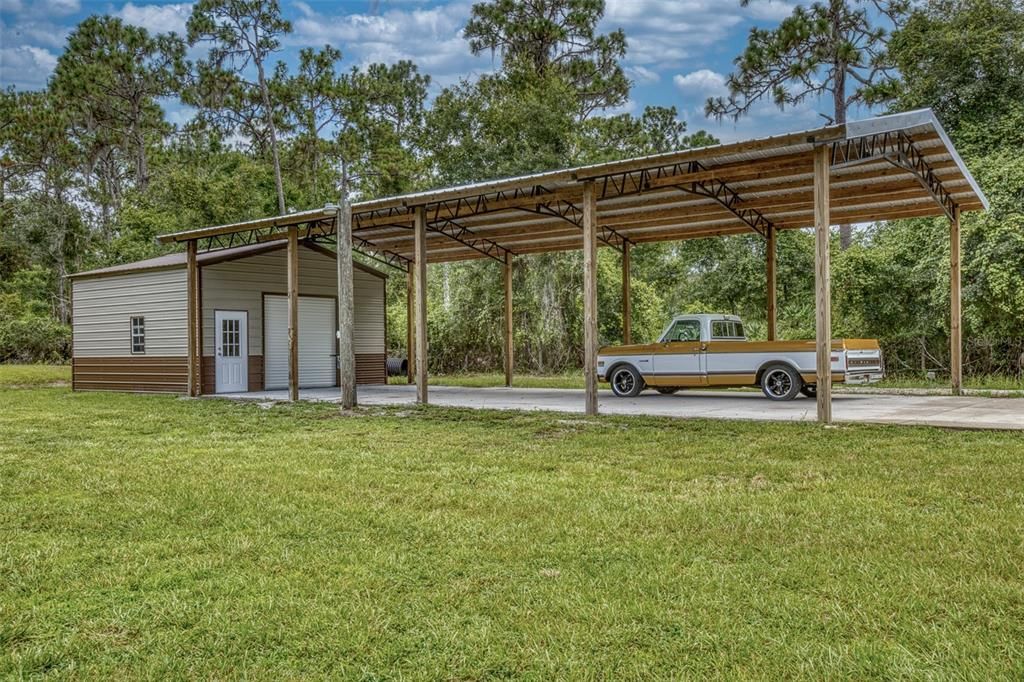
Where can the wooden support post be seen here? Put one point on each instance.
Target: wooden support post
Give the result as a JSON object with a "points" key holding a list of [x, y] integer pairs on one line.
{"points": [[822, 281], [293, 312], [195, 339], [627, 301], [509, 350], [590, 296], [955, 340], [410, 317], [420, 266], [346, 304], [770, 246]]}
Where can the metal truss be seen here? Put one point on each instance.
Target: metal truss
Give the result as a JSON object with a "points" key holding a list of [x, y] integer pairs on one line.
{"points": [[261, 235], [453, 209], [644, 180], [898, 149], [400, 216], [460, 234], [728, 199], [639, 181], [320, 231], [569, 212], [395, 260], [371, 251]]}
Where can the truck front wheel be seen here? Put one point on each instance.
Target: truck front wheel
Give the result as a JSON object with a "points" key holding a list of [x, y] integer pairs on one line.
{"points": [[781, 382], [626, 382]]}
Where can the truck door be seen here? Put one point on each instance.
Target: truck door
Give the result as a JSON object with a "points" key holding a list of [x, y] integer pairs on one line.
{"points": [[679, 359], [730, 360]]}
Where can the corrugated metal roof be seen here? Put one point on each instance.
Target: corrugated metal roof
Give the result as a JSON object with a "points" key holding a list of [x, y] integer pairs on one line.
{"points": [[722, 189], [177, 260]]}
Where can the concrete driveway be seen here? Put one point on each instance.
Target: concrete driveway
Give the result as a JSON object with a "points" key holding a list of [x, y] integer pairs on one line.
{"points": [[971, 412]]}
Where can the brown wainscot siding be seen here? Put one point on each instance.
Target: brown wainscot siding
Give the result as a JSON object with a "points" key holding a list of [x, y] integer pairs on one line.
{"points": [[210, 374], [371, 368], [148, 374]]}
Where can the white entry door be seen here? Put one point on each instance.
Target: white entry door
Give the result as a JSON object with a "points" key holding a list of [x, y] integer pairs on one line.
{"points": [[318, 342], [232, 342]]}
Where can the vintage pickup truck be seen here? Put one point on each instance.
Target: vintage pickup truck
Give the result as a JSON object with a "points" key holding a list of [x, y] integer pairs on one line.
{"points": [[712, 351]]}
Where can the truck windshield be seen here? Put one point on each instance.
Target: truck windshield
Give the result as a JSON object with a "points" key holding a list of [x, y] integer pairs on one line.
{"points": [[683, 330]]}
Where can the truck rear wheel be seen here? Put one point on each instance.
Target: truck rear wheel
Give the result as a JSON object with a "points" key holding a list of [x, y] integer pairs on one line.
{"points": [[626, 382], [810, 390], [781, 382], [667, 390]]}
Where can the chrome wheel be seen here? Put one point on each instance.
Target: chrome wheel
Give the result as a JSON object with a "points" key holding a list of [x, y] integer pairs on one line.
{"points": [[778, 382], [781, 383], [625, 382]]}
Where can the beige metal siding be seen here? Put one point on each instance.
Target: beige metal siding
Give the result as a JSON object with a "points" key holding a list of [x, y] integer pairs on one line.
{"points": [[317, 342], [240, 285], [369, 313], [103, 308]]}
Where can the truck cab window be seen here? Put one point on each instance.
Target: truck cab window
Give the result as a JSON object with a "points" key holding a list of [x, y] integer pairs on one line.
{"points": [[683, 330], [726, 329]]}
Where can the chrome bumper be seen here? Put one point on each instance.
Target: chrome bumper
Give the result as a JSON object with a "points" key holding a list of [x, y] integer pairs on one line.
{"points": [[864, 377]]}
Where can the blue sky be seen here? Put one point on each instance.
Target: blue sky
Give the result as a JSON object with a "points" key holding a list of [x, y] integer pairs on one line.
{"points": [[679, 50]]}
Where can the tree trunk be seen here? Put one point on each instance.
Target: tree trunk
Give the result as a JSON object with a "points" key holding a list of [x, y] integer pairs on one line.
{"points": [[141, 163], [839, 100], [346, 306], [272, 131]]}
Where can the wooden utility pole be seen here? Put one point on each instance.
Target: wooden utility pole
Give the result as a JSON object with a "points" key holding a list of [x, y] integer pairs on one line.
{"points": [[771, 253], [627, 301], [410, 317], [822, 282], [420, 266], [590, 296], [955, 340], [346, 302], [195, 341], [509, 350], [293, 313]]}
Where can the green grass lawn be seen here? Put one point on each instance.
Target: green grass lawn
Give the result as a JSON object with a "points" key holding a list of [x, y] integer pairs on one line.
{"points": [[26, 376], [149, 536]]}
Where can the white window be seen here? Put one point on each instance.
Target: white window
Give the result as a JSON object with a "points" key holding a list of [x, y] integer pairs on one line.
{"points": [[138, 335]]}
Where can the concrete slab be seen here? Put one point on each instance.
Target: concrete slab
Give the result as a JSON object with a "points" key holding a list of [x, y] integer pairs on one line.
{"points": [[969, 412]]}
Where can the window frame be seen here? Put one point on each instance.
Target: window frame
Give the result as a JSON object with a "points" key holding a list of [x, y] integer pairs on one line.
{"points": [[667, 336], [141, 334], [732, 327]]}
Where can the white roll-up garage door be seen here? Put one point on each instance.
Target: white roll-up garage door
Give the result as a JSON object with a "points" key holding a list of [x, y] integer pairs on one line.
{"points": [[317, 342]]}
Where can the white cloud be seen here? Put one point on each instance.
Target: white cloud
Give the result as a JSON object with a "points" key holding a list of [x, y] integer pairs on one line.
{"points": [[763, 119], [429, 36], [33, 32], [41, 8], [56, 7], [770, 10], [642, 75], [664, 34], [701, 83], [630, 106], [26, 67], [157, 18]]}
